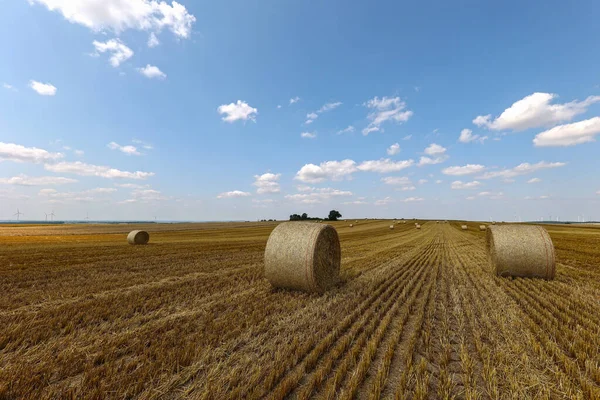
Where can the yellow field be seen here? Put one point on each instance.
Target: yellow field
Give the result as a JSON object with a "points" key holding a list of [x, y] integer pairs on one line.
{"points": [[418, 315]]}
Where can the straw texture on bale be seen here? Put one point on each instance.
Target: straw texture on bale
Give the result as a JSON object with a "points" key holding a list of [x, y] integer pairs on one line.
{"points": [[464, 227], [138, 237], [303, 256], [521, 250], [482, 227]]}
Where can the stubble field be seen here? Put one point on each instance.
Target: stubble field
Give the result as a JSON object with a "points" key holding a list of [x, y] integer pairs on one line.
{"points": [[419, 315]]}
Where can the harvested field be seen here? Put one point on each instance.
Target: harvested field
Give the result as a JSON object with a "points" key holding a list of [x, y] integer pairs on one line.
{"points": [[418, 315]]}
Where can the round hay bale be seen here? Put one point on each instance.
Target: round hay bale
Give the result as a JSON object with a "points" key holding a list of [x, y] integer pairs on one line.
{"points": [[303, 256], [464, 227], [482, 227], [521, 250], [391, 226], [138, 237], [351, 225], [418, 226]]}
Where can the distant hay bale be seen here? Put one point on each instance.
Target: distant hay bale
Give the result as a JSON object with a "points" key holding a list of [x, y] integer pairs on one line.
{"points": [[482, 227], [303, 256], [138, 237], [391, 226], [418, 226], [521, 250], [351, 225], [464, 227]]}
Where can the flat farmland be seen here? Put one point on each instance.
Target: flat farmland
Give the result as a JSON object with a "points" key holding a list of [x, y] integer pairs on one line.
{"points": [[418, 315]]}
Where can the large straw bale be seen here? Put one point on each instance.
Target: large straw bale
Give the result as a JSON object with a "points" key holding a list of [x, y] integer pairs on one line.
{"points": [[482, 227], [464, 227], [138, 237], [351, 225], [521, 250], [391, 226], [418, 226], [303, 256]]}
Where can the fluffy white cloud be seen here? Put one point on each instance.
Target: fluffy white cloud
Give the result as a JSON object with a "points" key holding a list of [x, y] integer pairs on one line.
{"points": [[458, 185], [534, 180], [319, 195], [153, 40], [131, 185], [310, 118], [24, 180], [413, 199], [147, 195], [145, 145], [151, 71], [384, 202], [18, 153], [437, 153], [464, 170], [119, 51], [521, 169], [129, 150], [466, 136], [439, 181], [294, 100], [349, 129], [79, 153], [491, 195], [423, 181], [43, 89], [83, 169], [333, 170], [267, 183], [397, 181], [393, 149], [435, 150], [535, 111], [355, 202], [9, 87], [233, 194], [570, 134], [237, 111], [329, 107], [120, 15], [385, 165], [308, 135], [385, 109], [84, 196]]}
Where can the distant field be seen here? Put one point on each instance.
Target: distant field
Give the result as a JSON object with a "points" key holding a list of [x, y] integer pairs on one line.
{"points": [[419, 315]]}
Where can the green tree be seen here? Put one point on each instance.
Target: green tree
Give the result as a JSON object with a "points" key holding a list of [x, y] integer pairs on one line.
{"points": [[334, 215], [304, 216]]}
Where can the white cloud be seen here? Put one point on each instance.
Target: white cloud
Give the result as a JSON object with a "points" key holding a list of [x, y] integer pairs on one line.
{"points": [[9, 87], [129, 150], [408, 188], [24, 180], [83, 196], [233, 194], [459, 185], [397, 181], [385, 109], [267, 183], [119, 51], [120, 15], [413, 199], [522, 169], [544, 197], [393, 149], [535, 111], [308, 135], [385, 165], [43, 89], [349, 129], [466, 136], [317, 195], [278, 106], [147, 195], [464, 170], [470, 198], [437, 154], [491, 195], [534, 180], [145, 145], [439, 181], [79, 153], [423, 181], [310, 118], [18, 153], [355, 202], [435, 150], [131, 185], [407, 137], [294, 100], [153, 40], [384, 202], [237, 111], [333, 170], [569, 134], [151, 71], [79, 168], [329, 107]]}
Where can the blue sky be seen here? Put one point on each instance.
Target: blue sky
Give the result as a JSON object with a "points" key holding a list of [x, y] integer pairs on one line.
{"points": [[260, 109]]}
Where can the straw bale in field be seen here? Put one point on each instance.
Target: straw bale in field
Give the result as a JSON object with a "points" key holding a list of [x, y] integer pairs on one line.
{"points": [[303, 256], [418, 226], [464, 227], [351, 225], [391, 226], [138, 237], [521, 250], [482, 227]]}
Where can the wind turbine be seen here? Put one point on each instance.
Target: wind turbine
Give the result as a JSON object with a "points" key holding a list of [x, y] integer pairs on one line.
{"points": [[18, 213], [87, 217], [46, 216], [52, 216]]}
